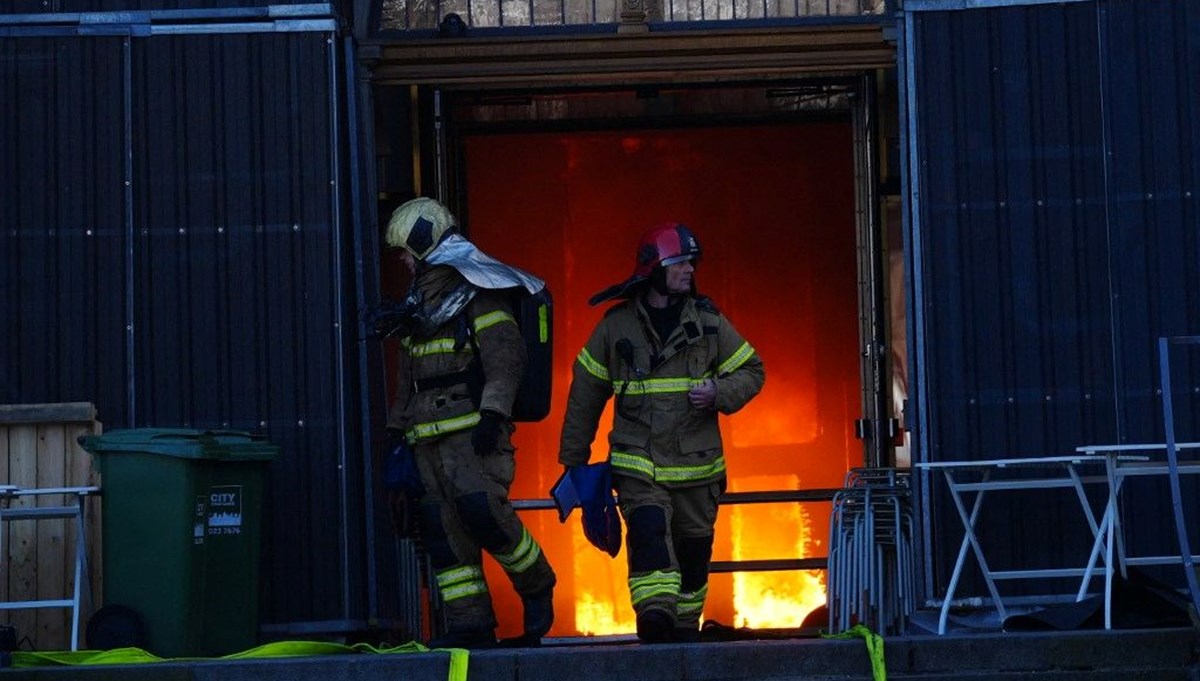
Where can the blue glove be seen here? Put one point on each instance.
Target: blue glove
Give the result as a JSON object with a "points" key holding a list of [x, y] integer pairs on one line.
{"points": [[601, 520], [602, 526], [400, 469]]}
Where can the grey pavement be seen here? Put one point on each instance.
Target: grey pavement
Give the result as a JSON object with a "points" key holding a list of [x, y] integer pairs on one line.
{"points": [[1130, 655]]}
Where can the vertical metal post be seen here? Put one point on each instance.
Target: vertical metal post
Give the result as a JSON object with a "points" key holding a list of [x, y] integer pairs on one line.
{"points": [[916, 419], [1181, 528], [1106, 159], [439, 148], [130, 238], [363, 264], [335, 191], [873, 358]]}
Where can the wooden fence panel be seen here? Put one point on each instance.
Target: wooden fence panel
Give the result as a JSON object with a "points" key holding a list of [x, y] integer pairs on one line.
{"points": [[38, 450]]}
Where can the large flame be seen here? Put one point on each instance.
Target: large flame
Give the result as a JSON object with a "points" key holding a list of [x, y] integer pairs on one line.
{"points": [[775, 599], [596, 618], [602, 604], [784, 271], [761, 600]]}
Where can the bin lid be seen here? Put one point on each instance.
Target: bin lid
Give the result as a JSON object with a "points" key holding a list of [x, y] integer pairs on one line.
{"points": [[184, 443]]}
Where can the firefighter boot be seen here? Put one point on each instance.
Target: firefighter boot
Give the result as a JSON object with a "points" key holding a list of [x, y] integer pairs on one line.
{"points": [[539, 614], [654, 626]]}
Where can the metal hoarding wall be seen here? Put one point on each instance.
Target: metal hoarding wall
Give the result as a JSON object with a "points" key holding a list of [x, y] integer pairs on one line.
{"points": [[1055, 237], [174, 247], [63, 235]]}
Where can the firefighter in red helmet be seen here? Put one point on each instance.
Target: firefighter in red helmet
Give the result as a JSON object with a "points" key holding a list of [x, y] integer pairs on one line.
{"points": [[672, 362]]}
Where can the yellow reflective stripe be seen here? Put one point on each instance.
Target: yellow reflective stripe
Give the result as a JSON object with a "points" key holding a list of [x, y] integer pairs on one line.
{"points": [[461, 582], [638, 463], [543, 323], [657, 386], [436, 346], [592, 366], [631, 462], [657, 583], [483, 321], [423, 431], [522, 557], [690, 473], [736, 360], [691, 602], [459, 574], [650, 592], [464, 590]]}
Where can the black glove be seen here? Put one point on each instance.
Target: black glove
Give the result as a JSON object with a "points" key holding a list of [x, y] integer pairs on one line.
{"points": [[487, 432], [403, 510]]}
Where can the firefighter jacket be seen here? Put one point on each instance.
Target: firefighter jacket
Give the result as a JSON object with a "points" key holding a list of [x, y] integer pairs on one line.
{"points": [[471, 363], [657, 434]]}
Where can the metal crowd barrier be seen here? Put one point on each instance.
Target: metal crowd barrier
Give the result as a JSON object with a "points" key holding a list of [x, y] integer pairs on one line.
{"points": [[871, 579]]}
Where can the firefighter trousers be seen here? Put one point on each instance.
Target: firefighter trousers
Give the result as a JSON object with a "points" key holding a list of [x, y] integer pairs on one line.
{"points": [[669, 539], [466, 510]]}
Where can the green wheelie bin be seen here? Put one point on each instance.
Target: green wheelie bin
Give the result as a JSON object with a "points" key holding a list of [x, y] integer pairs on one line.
{"points": [[181, 537]]}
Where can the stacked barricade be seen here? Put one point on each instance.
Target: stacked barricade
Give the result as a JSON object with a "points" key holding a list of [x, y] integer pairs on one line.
{"points": [[871, 579]]}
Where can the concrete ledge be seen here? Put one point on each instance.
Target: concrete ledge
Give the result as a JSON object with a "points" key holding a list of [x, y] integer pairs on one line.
{"points": [[779, 659], [1025, 651], [1143, 655]]}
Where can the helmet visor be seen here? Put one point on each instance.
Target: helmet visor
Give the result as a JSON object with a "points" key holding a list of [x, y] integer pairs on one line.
{"points": [[683, 257]]}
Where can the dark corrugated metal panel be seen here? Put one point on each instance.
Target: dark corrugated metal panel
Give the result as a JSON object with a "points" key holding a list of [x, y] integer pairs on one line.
{"points": [[237, 312], [1013, 221], [1152, 76], [1058, 240], [62, 223], [220, 294], [1152, 71]]}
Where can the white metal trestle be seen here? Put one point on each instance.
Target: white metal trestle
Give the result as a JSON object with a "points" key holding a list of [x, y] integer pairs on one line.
{"points": [[72, 509]]}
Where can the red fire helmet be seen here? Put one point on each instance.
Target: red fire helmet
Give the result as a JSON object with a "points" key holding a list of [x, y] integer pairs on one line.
{"points": [[664, 244]]}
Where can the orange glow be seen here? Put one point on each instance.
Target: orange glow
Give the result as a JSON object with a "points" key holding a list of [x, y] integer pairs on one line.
{"points": [[773, 208], [601, 600], [774, 600]]}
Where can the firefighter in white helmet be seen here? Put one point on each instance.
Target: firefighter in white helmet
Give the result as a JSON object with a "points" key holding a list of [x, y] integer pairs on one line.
{"points": [[673, 362], [457, 378]]}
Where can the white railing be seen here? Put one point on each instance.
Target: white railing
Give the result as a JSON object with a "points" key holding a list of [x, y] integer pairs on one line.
{"points": [[424, 15]]}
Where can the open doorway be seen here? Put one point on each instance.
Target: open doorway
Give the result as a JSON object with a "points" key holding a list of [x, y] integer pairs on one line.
{"points": [[773, 205]]}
